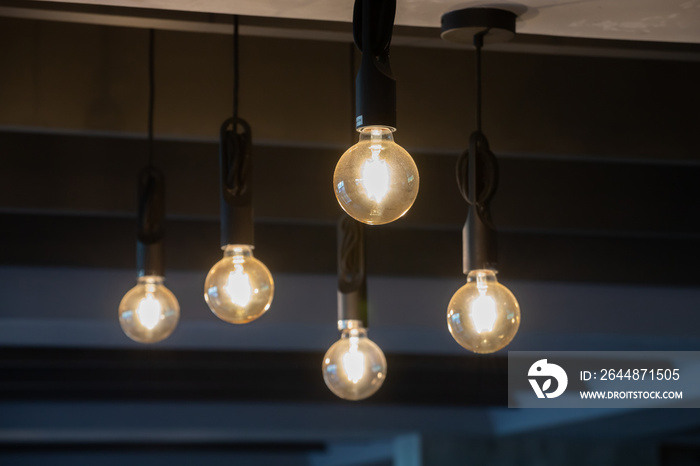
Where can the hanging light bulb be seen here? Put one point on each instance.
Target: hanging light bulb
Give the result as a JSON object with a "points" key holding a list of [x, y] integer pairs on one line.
{"points": [[239, 288], [376, 180], [149, 312], [354, 368], [483, 315]]}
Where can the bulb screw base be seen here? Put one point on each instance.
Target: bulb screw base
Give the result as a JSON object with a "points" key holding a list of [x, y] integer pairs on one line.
{"points": [[349, 324]]}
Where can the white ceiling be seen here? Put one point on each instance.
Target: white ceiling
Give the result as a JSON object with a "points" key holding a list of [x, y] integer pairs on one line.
{"points": [[644, 20]]}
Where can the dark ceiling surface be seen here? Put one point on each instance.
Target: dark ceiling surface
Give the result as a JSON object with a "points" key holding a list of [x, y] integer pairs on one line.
{"points": [[597, 211]]}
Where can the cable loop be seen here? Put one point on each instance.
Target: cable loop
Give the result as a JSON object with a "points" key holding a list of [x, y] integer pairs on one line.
{"points": [[486, 168], [235, 158]]}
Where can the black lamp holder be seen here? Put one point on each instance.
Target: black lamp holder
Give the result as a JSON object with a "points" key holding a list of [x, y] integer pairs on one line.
{"points": [[235, 169], [150, 230], [352, 275], [375, 86], [477, 167], [150, 249]]}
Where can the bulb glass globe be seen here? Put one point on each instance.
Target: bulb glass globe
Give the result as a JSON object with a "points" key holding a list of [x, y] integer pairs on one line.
{"points": [[149, 312], [376, 180], [483, 315], [354, 367], [239, 288]]}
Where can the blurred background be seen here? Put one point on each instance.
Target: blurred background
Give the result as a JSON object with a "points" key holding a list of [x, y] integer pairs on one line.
{"points": [[593, 112]]}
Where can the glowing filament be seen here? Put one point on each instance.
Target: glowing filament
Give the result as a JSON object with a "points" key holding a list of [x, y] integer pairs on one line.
{"points": [[148, 312], [483, 314], [354, 363], [238, 287], [375, 176]]}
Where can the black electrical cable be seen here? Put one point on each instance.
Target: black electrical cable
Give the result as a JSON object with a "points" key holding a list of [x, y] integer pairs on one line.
{"points": [[236, 71], [477, 181], [151, 92], [151, 192], [353, 103], [478, 43]]}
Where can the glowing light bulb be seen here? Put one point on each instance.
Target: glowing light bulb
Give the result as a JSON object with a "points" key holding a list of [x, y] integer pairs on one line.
{"points": [[354, 367], [239, 288], [483, 315], [376, 180], [375, 174], [354, 362], [149, 312]]}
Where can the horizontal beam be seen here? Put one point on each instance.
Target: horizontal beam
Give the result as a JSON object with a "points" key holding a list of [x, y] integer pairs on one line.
{"points": [[85, 241], [60, 374], [68, 200], [190, 21], [120, 447], [97, 174]]}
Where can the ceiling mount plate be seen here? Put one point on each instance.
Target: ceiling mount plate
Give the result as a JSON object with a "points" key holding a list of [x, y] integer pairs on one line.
{"points": [[461, 25]]}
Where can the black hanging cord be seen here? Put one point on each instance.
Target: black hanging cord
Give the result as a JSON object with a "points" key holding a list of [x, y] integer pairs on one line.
{"points": [[235, 167], [477, 176], [151, 193], [478, 43], [236, 71], [352, 276], [351, 67], [477, 179], [151, 92]]}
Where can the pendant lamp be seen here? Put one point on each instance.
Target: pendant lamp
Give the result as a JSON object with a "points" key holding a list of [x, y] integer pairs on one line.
{"points": [[239, 288], [483, 315], [149, 312]]}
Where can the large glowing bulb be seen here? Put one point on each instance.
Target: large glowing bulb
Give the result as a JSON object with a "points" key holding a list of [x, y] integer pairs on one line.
{"points": [[483, 315], [354, 367], [239, 288], [149, 312], [376, 180]]}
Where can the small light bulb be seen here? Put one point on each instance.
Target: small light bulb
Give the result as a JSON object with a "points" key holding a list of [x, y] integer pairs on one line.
{"points": [[483, 316], [239, 288], [149, 312], [376, 180], [354, 367]]}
